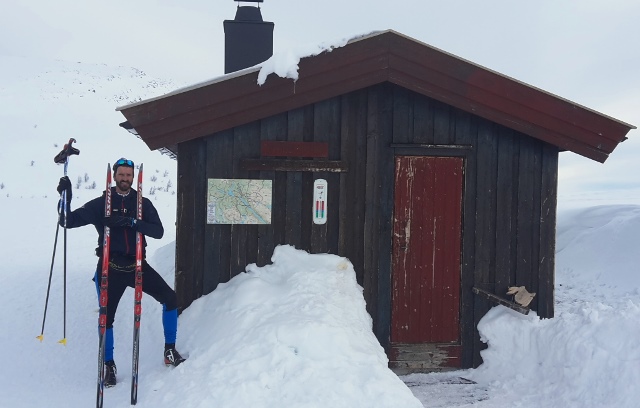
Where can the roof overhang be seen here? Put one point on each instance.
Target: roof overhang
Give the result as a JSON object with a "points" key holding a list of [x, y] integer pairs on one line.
{"points": [[387, 56]]}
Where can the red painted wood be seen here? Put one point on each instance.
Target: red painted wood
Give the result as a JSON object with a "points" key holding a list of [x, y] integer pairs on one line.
{"points": [[427, 250], [294, 149]]}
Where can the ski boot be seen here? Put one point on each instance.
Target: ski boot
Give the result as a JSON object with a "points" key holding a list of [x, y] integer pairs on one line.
{"points": [[110, 374], [171, 356]]}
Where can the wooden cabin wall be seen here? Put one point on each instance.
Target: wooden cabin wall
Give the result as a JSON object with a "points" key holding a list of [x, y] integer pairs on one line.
{"points": [[508, 209]]}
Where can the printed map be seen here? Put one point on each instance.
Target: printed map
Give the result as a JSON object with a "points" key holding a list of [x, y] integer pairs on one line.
{"points": [[238, 201]]}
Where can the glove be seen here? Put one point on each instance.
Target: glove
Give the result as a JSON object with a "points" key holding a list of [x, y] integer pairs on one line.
{"points": [[65, 185], [119, 221]]}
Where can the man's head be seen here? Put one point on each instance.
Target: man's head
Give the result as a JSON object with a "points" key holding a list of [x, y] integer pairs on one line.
{"points": [[123, 175]]}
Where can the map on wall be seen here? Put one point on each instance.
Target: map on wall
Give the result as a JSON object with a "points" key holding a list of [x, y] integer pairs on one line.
{"points": [[238, 201]]}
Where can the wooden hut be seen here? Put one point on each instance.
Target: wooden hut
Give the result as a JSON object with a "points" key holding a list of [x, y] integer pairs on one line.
{"points": [[441, 176]]}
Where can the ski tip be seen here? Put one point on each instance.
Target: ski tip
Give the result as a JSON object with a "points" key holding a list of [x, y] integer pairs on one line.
{"points": [[40, 337], [63, 341]]}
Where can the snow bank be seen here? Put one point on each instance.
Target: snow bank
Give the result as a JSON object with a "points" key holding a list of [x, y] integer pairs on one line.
{"points": [[292, 334], [591, 241], [587, 356]]}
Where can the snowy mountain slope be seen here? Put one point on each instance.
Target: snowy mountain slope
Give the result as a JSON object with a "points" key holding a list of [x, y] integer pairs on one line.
{"points": [[44, 103]]}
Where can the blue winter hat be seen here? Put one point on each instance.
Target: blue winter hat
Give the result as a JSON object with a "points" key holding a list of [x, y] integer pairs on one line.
{"points": [[122, 162]]}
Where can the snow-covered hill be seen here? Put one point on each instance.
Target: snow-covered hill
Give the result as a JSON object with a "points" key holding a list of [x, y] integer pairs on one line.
{"points": [[45, 103]]}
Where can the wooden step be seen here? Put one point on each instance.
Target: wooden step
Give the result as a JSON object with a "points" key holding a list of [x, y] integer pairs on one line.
{"points": [[407, 358]]}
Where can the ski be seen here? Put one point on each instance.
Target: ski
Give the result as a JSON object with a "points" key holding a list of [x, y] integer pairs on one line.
{"points": [[104, 284], [137, 305]]}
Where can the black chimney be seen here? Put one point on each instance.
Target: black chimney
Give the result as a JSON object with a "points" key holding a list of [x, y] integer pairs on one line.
{"points": [[248, 39]]}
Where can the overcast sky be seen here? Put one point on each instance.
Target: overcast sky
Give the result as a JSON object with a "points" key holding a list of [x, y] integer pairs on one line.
{"points": [[583, 50]]}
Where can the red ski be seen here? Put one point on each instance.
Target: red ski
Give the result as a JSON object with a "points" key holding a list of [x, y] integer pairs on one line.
{"points": [[104, 284], [137, 306]]}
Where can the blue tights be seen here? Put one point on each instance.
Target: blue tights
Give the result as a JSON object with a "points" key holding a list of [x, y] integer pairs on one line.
{"points": [[169, 324]]}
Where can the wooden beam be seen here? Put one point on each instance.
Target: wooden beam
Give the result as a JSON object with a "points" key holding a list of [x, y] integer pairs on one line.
{"points": [[501, 301], [334, 166]]}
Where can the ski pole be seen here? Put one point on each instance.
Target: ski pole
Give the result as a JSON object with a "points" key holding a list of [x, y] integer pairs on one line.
{"points": [[65, 206], [46, 302], [62, 157]]}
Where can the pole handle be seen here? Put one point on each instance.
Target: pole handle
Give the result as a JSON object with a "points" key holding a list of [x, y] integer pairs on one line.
{"points": [[67, 150]]}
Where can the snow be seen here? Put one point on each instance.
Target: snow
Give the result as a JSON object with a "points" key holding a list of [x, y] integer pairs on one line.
{"points": [[293, 333], [285, 64]]}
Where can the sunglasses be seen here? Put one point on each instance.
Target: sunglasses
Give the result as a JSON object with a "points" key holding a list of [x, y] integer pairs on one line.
{"points": [[122, 162]]}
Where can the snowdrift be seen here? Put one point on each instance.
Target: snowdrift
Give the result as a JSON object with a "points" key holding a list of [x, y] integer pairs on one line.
{"points": [[587, 356], [292, 334]]}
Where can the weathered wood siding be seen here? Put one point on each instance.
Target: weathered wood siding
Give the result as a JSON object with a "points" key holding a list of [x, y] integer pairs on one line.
{"points": [[508, 203]]}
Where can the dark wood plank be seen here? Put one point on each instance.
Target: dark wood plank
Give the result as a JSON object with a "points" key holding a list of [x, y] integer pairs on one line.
{"points": [[253, 231], [333, 129], [536, 172], [271, 129], [485, 213], [218, 237], [376, 126], [295, 202], [402, 115], [246, 142], [546, 261], [352, 191], [466, 134], [188, 251], [327, 129], [379, 201], [486, 206], [506, 201], [200, 220], [385, 222], [442, 129], [306, 222], [422, 120], [526, 235], [347, 194]]}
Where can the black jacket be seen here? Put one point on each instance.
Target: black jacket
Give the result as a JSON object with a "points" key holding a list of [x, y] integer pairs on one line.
{"points": [[123, 240]]}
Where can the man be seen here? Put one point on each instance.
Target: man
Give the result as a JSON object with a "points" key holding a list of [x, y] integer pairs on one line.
{"points": [[124, 225]]}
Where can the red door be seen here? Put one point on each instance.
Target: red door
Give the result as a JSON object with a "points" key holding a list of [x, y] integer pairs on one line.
{"points": [[426, 250]]}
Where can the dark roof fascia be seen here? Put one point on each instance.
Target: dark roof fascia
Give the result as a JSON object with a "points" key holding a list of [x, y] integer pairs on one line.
{"points": [[504, 100], [221, 105], [387, 56]]}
